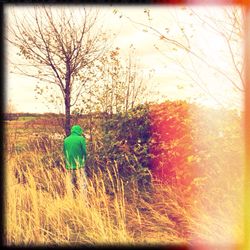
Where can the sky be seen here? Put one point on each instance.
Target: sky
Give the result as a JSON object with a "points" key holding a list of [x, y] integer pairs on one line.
{"points": [[176, 73]]}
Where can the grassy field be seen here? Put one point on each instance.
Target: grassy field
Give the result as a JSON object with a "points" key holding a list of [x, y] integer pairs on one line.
{"points": [[40, 207]]}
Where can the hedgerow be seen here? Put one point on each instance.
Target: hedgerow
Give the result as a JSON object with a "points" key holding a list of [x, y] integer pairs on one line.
{"points": [[178, 143]]}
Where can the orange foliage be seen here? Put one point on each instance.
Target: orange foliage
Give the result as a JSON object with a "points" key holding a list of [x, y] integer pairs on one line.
{"points": [[171, 145], [192, 145]]}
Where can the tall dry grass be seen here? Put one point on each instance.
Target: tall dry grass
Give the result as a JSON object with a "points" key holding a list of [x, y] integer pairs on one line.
{"points": [[41, 208]]}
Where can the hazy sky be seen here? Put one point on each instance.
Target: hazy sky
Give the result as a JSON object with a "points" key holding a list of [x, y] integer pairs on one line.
{"points": [[176, 75]]}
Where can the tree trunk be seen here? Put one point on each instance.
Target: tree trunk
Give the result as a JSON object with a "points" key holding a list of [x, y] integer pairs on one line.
{"points": [[67, 114], [67, 100]]}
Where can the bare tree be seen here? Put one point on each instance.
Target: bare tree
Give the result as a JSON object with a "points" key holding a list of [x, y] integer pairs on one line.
{"points": [[10, 107], [59, 45], [123, 85], [228, 26]]}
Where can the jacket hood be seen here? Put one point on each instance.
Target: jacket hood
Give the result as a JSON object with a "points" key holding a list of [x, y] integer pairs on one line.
{"points": [[76, 129]]}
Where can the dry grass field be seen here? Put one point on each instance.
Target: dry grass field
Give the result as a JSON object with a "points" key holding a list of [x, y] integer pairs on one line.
{"points": [[40, 208]]}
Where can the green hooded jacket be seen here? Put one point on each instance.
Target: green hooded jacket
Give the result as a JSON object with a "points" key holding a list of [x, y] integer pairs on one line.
{"points": [[74, 148]]}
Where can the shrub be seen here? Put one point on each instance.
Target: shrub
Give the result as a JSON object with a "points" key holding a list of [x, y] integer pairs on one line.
{"points": [[124, 143], [193, 146]]}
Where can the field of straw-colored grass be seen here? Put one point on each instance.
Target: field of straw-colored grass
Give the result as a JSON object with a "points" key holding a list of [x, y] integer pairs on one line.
{"points": [[41, 209]]}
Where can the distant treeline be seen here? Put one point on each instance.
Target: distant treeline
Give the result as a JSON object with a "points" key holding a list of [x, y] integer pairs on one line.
{"points": [[16, 116]]}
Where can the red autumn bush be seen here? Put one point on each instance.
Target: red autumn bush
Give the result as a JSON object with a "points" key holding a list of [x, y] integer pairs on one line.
{"points": [[191, 145]]}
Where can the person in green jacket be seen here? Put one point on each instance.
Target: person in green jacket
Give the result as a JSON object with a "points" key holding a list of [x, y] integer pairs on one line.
{"points": [[74, 148]]}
